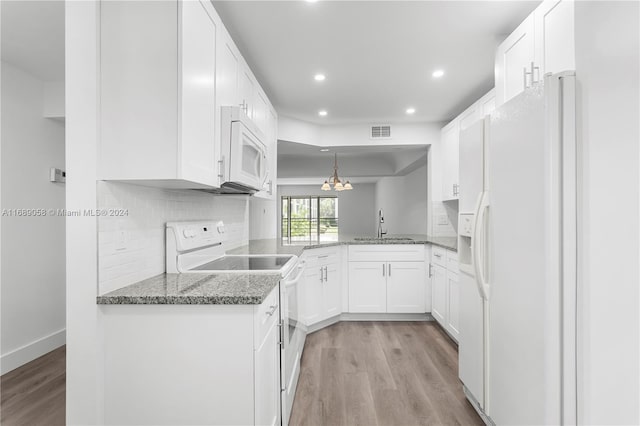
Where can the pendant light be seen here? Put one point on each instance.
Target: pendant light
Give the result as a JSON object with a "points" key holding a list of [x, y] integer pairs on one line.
{"points": [[335, 180]]}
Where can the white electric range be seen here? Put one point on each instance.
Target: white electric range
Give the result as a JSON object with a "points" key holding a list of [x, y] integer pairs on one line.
{"points": [[199, 247]]}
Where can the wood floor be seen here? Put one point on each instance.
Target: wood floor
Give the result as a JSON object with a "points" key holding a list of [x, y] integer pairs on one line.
{"points": [[380, 373], [34, 394]]}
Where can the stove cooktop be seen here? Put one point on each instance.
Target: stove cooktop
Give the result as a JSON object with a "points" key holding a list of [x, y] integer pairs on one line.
{"points": [[245, 263]]}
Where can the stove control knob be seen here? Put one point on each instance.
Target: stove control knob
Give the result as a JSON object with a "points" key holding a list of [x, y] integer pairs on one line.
{"points": [[186, 233], [221, 229]]}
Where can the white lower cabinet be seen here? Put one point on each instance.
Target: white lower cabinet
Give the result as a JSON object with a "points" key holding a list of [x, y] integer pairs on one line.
{"points": [[439, 293], [322, 293], [387, 279], [192, 364], [367, 287], [453, 288], [267, 374], [445, 296], [406, 287]]}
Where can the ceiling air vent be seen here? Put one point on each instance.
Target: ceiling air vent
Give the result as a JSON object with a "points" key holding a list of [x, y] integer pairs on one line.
{"points": [[381, 132]]}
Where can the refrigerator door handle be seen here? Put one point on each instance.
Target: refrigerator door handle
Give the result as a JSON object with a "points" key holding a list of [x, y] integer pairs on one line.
{"points": [[478, 256]]}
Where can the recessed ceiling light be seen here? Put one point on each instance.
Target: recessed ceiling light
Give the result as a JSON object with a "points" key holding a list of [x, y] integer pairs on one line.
{"points": [[438, 73], [324, 150], [411, 110], [322, 113], [319, 77], [311, 1]]}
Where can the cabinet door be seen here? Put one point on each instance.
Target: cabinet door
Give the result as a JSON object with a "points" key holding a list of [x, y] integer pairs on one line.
{"points": [[267, 380], [470, 116], [555, 46], [453, 302], [313, 294], [247, 90], [198, 48], [367, 287], [406, 287], [260, 111], [227, 73], [439, 294], [488, 103], [450, 151], [332, 291], [512, 56]]}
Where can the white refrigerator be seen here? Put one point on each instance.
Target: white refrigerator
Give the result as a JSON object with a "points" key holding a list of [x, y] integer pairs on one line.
{"points": [[517, 248]]}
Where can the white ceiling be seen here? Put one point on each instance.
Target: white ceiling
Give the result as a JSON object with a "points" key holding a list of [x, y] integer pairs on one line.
{"points": [[33, 37], [378, 56]]}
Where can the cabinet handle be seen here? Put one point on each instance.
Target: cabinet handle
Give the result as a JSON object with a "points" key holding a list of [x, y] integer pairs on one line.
{"points": [[221, 169], [323, 256], [437, 255], [389, 269], [383, 274], [321, 278], [430, 274]]}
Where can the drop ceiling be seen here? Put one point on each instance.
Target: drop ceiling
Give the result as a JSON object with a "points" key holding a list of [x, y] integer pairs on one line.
{"points": [[359, 164], [378, 56]]}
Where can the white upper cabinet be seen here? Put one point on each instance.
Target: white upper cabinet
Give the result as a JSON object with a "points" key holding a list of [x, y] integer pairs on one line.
{"points": [[513, 58], [545, 39], [555, 40], [450, 148], [198, 70], [157, 90], [166, 69]]}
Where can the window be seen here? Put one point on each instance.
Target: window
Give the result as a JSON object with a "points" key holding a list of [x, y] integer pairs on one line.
{"points": [[309, 220]]}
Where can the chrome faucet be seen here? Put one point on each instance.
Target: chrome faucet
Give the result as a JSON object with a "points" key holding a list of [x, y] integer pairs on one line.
{"points": [[380, 222]]}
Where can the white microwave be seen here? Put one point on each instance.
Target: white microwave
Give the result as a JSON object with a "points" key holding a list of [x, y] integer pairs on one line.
{"points": [[243, 162]]}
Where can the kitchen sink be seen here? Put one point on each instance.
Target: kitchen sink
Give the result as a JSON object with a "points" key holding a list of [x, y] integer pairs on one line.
{"points": [[383, 239]]}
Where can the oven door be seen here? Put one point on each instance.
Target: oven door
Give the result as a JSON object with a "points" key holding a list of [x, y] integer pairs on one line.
{"points": [[293, 336], [248, 157]]}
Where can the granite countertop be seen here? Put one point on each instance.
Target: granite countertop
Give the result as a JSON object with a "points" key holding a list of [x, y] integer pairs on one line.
{"points": [[236, 288], [195, 289], [273, 245]]}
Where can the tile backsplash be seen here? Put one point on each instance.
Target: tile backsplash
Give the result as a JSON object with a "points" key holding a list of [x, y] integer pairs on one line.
{"points": [[132, 247]]}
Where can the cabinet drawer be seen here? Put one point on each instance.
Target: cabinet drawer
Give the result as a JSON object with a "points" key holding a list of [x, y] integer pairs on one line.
{"points": [[439, 256], [266, 315], [322, 256], [386, 253], [452, 261]]}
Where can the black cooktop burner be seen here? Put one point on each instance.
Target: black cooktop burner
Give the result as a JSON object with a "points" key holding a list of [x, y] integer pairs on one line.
{"points": [[242, 263]]}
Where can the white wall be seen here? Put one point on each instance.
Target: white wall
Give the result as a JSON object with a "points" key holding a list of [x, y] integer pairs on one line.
{"points": [[140, 253], [607, 70], [356, 208], [404, 202], [33, 272], [263, 218], [292, 130], [85, 351]]}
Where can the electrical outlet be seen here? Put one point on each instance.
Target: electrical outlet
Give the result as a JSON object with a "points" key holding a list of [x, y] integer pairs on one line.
{"points": [[442, 220]]}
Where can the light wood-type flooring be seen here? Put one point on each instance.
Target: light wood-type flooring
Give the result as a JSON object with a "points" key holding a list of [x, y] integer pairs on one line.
{"points": [[34, 394], [352, 373], [380, 373]]}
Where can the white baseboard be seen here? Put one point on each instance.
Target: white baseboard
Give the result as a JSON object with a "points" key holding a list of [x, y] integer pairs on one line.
{"points": [[385, 317], [345, 316], [19, 357]]}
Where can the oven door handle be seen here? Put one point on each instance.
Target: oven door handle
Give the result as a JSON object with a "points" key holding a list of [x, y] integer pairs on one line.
{"points": [[297, 278]]}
